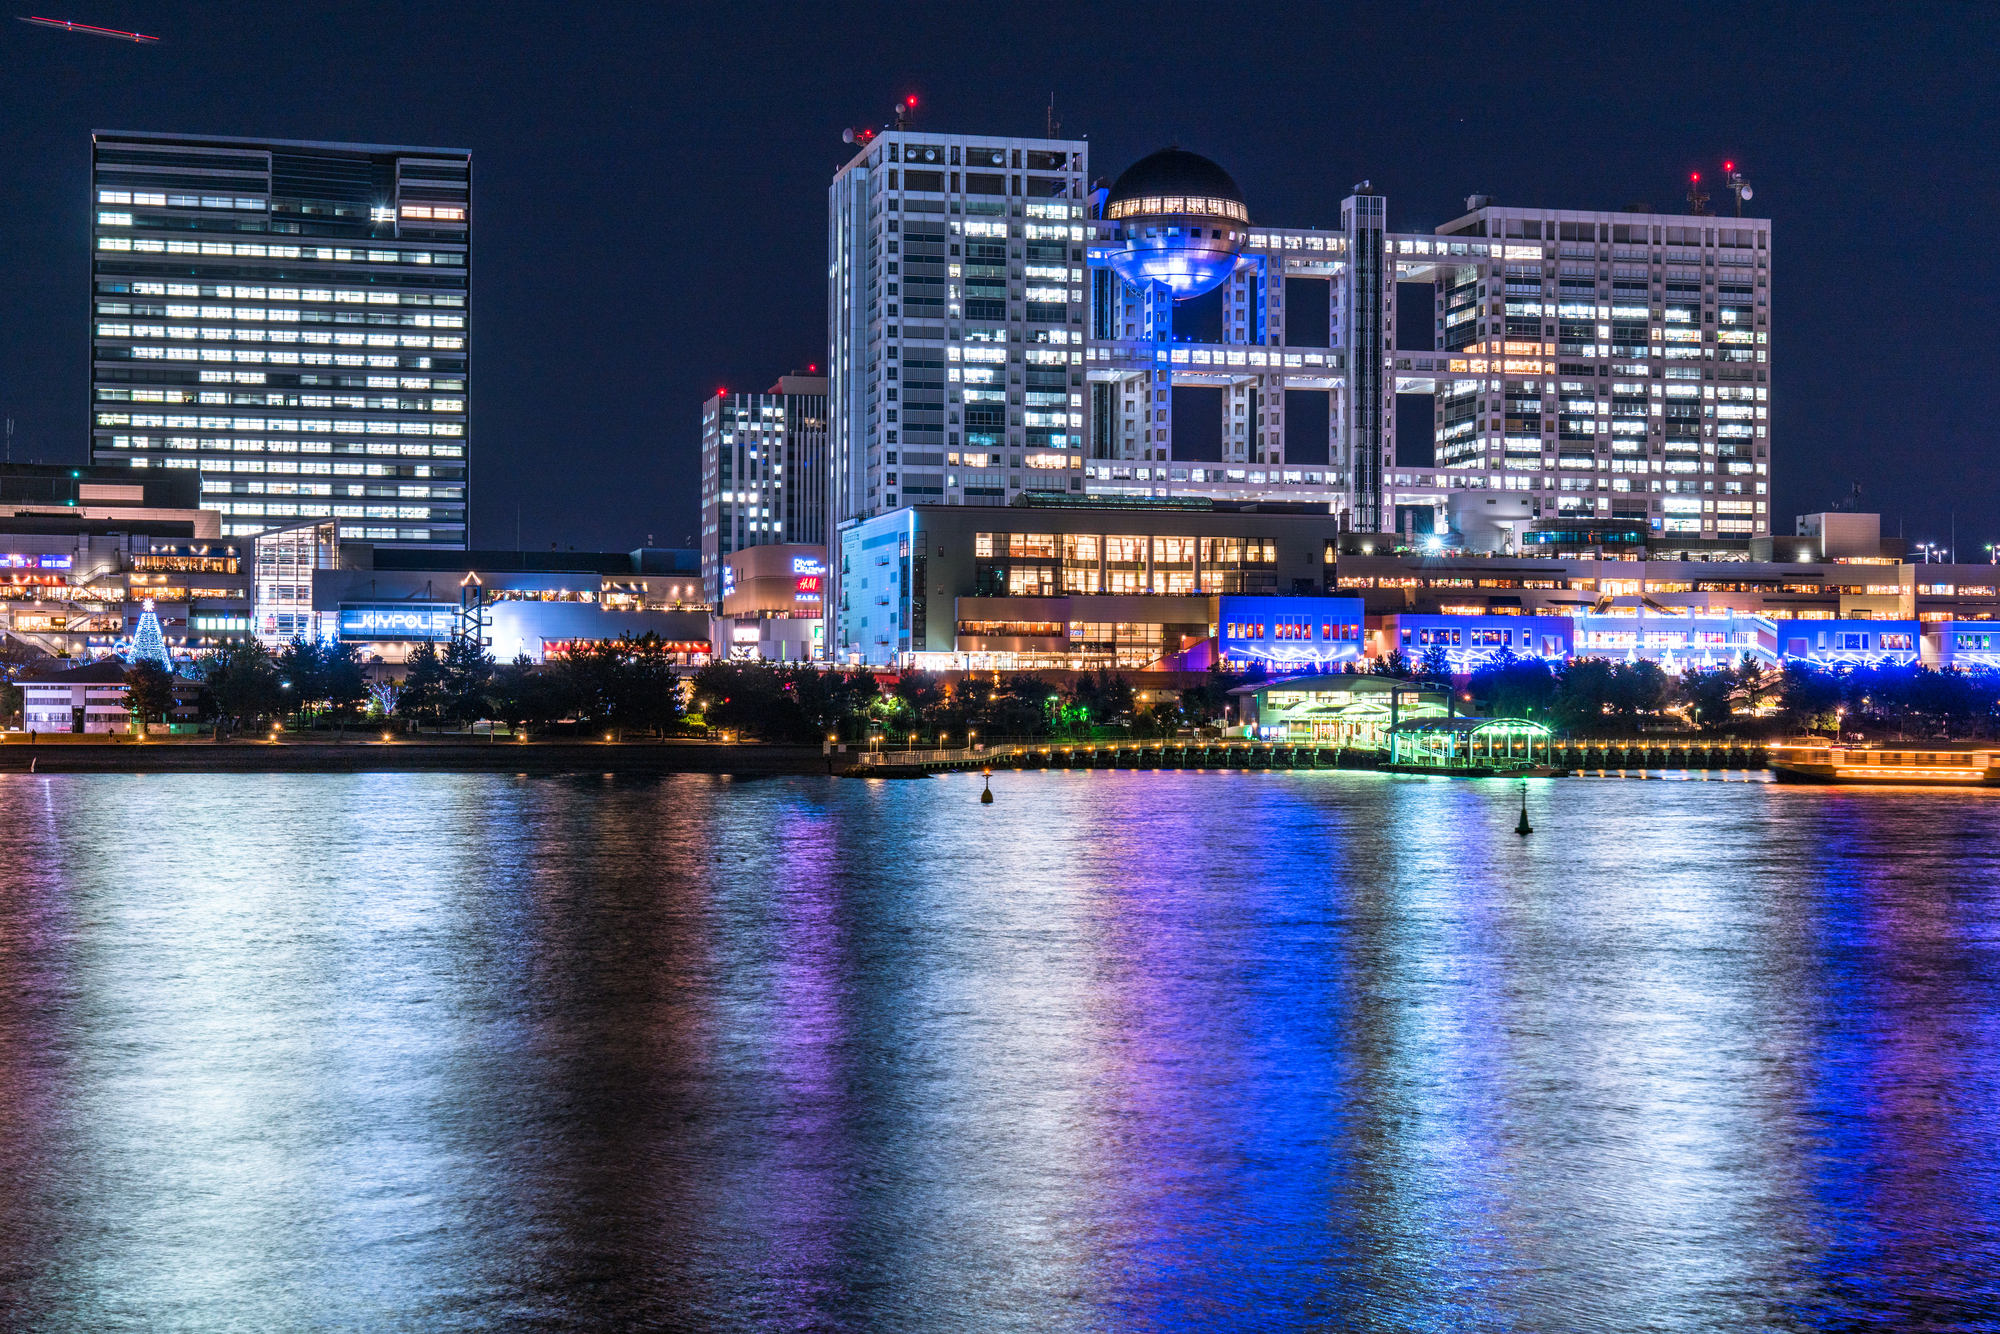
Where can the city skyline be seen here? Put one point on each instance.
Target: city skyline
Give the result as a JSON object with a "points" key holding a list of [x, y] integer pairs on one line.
{"points": [[548, 312]]}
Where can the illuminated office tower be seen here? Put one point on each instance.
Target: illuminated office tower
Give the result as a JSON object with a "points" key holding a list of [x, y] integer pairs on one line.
{"points": [[1605, 365], [955, 324], [1540, 363], [763, 471], [289, 319]]}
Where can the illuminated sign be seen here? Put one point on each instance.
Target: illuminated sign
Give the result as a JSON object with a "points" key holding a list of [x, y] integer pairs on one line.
{"points": [[421, 620], [728, 579], [18, 562], [808, 583], [808, 565]]}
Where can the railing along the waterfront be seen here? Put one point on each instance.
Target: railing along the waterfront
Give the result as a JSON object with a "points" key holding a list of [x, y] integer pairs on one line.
{"points": [[938, 755]]}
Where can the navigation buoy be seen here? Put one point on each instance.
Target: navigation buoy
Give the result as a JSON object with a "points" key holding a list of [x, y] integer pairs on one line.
{"points": [[986, 796], [1524, 828]]}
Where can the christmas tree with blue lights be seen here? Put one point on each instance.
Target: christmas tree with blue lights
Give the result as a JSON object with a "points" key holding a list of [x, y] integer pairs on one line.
{"points": [[148, 644]]}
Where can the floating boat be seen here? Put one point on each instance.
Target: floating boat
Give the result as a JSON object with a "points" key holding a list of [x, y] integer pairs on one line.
{"points": [[1478, 770], [1927, 763]]}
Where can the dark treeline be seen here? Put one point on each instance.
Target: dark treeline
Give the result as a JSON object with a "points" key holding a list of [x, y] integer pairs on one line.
{"points": [[632, 686], [626, 685], [802, 704]]}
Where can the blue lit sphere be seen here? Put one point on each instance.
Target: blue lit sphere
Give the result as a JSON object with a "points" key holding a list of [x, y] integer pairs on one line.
{"points": [[1180, 221]]}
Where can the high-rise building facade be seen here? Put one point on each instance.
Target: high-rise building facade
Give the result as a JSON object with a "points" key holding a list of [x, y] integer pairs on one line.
{"points": [[1577, 364], [1609, 365], [763, 472], [956, 324], [290, 320]]}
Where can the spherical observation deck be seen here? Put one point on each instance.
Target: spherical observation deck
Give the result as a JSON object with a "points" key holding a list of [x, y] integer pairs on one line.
{"points": [[1181, 222]]}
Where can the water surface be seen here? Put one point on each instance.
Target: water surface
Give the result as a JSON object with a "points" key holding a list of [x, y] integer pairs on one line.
{"points": [[1121, 1051]]}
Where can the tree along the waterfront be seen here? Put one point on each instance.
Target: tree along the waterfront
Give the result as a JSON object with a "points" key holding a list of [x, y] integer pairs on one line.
{"points": [[1887, 698], [149, 692], [625, 685], [786, 703], [239, 684], [321, 679], [445, 687]]}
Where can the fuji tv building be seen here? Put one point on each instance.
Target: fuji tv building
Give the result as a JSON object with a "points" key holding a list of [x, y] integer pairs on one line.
{"points": [[1562, 364]]}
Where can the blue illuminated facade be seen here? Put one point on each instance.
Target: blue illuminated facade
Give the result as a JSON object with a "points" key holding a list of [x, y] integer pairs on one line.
{"points": [[1468, 641], [1966, 644], [1678, 642], [1851, 643], [1289, 632]]}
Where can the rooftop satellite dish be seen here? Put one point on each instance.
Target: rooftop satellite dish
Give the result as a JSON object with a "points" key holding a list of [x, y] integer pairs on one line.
{"points": [[1747, 192], [847, 136]]}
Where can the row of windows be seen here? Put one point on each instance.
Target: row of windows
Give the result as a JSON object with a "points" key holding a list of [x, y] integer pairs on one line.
{"points": [[328, 489], [1121, 549], [259, 250], [275, 316], [241, 293], [1292, 627], [1156, 204], [400, 448], [312, 467], [356, 401], [243, 508], [314, 337], [260, 357], [162, 200], [120, 394], [337, 425]]}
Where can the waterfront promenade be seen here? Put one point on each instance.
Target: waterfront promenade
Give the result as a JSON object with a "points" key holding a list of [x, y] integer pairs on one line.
{"points": [[444, 753]]}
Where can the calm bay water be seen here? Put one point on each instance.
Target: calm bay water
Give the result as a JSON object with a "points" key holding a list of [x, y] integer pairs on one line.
{"points": [[1127, 1051]]}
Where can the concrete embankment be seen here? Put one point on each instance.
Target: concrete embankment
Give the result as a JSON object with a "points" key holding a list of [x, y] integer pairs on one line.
{"points": [[428, 755]]}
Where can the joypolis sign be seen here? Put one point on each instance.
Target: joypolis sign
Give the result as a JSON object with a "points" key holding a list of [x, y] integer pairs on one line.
{"points": [[423, 620]]}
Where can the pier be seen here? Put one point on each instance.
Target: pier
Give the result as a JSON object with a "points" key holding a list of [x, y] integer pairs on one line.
{"points": [[1179, 753]]}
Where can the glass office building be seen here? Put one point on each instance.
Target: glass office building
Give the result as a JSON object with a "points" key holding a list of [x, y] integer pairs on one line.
{"points": [[763, 472], [288, 319]]}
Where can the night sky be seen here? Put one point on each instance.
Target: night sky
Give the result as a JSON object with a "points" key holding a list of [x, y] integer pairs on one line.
{"points": [[650, 187]]}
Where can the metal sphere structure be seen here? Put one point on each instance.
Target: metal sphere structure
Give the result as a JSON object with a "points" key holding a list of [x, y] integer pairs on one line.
{"points": [[1180, 222]]}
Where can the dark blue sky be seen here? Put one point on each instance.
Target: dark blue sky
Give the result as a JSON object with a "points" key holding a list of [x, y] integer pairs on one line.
{"points": [[650, 189]]}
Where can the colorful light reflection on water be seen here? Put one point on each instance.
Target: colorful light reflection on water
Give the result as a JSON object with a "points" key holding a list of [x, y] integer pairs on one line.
{"points": [[1121, 1051]]}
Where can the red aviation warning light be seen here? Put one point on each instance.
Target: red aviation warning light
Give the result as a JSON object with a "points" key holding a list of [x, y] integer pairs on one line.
{"points": [[66, 25], [1737, 186], [1697, 197]]}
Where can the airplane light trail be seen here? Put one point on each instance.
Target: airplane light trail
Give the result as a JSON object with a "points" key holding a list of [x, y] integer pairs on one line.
{"points": [[66, 26]]}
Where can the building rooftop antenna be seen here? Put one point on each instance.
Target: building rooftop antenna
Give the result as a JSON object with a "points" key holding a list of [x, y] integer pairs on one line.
{"points": [[1737, 186], [1697, 197], [1051, 125], [906, 112]]}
